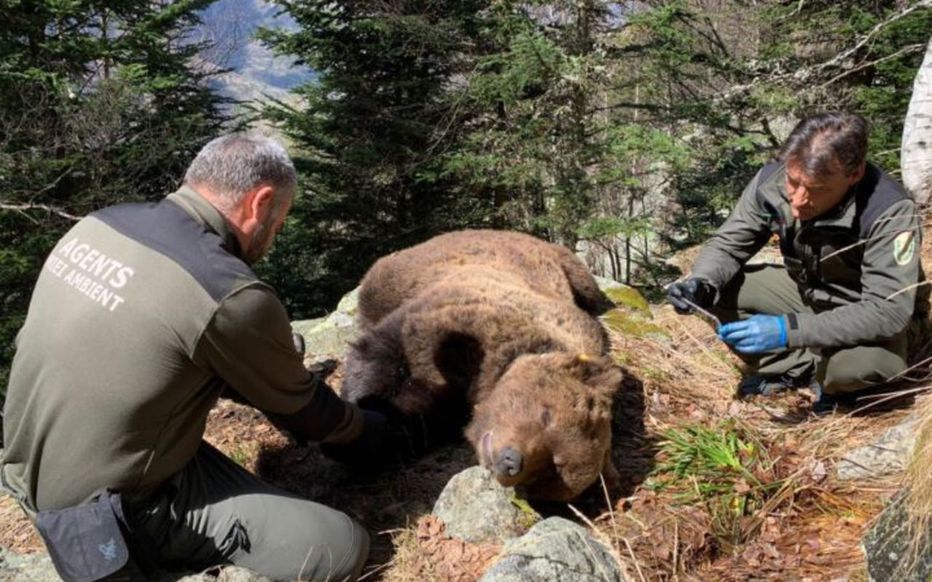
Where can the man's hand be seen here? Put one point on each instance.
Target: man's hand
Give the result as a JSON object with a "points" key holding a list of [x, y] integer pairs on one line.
{"points": [[757, 334], [368, 450], [698, 291], [385, 440]]}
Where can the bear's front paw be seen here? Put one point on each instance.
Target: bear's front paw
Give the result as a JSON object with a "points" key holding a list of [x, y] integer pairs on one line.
{"points": [[610, 475]]}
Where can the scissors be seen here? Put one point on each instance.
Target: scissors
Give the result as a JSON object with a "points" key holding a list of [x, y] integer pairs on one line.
{"points": [[703, 312]]}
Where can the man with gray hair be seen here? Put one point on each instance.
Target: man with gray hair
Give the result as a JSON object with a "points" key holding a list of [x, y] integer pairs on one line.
{"points": [[837, 316], [143, 314]]}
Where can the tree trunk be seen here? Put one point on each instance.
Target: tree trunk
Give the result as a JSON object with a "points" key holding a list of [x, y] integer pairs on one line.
{"points": [[916, 152]]}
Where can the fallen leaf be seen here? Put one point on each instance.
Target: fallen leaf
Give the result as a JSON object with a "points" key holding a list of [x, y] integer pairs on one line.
{"points": [[771, 550], [818, 472]]}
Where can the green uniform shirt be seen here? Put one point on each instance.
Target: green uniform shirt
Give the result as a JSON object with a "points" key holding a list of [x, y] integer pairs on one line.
{"points": [[857, 266], [142, 315]]}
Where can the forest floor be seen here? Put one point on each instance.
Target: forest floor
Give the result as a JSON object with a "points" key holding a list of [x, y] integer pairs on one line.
{"points": [[714, 488]]}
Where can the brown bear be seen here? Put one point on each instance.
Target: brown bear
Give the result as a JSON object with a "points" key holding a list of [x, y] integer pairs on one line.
{"points": [[496, 328]]}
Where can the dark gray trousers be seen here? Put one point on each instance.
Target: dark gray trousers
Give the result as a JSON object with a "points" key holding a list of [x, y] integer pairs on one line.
{"points": [[215, 512], [769, 289]]}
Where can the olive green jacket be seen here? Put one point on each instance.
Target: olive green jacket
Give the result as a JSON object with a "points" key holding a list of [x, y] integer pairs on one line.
{"points": [[857, 265], [142, 315]]}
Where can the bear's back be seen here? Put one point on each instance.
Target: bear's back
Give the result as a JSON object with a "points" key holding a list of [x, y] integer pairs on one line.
{"points": [[400, 276]]}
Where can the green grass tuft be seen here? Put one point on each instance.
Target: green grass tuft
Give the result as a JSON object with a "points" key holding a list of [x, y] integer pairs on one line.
{"points": [[722, 467]]}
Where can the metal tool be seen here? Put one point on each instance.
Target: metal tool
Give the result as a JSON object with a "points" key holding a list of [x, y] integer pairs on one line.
{"points": [[703, 312]]}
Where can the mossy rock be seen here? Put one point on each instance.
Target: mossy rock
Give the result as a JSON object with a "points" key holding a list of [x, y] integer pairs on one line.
{"points": [[631, 316], [528, 516], [632, 324], [629, 297], [330, 336]]}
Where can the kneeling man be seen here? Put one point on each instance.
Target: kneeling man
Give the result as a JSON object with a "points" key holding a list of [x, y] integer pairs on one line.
{"points": [[838, 315]]}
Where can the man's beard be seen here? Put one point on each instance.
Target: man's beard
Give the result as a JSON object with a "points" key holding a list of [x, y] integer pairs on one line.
{"points": [[260, 244]]}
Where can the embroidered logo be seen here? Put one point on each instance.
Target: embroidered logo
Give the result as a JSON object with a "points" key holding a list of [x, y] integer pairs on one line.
{"points": [[904, 247], [108, 550]]}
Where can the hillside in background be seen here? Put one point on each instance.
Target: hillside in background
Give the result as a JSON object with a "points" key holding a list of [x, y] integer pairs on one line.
{"points": [[254, 71]]}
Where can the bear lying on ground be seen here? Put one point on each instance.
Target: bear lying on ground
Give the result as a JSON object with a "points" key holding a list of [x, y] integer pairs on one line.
{"points": [[496, 328]]}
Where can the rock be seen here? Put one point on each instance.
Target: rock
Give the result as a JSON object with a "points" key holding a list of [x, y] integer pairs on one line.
{"points": [[624, 296], [475, 508], [236, 574], [632, 315], [329, 337], [556, 550], [887, 547], [889, 454], [26, 567]]}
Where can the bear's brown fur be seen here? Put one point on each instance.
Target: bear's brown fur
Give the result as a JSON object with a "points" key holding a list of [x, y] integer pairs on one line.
{"points": [[499, 327]]}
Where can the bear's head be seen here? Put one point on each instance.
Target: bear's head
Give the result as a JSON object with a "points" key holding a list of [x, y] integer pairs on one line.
{"points": [[547, 423]]}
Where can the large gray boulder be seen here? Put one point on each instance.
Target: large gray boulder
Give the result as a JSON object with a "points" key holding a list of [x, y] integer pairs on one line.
{"points": [[888, 455], [329, 337], [555, 550], [26, 567], [891, 549], [475, 508]]}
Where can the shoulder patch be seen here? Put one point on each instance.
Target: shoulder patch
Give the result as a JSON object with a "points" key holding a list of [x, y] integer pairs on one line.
{"points": [[904, 247]]}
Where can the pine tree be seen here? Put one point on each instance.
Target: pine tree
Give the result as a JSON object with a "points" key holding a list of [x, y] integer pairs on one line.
{"points": [[100, 103], [369, 131], [730, 79]]}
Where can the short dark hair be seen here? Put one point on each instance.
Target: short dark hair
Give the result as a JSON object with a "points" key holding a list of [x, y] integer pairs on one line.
{"points": [[818, 142], [235, 163]]}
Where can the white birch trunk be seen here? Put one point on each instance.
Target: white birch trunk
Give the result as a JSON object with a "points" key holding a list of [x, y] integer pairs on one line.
{"points": [[916, 149]]}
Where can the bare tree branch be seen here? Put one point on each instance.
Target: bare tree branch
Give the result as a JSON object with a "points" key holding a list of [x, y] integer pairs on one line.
{"points": [[23, 208], [839, 58]]}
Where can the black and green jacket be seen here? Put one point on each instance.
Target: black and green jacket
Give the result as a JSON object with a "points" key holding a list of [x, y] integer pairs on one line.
{"points": [[856, 266], [143, 314]]}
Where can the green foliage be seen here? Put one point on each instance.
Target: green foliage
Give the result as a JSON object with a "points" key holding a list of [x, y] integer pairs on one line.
{"points": [[370, 133], [533, 142], [99, 104], [723, 467], [626, 130], [737, 76], [631, 128]]}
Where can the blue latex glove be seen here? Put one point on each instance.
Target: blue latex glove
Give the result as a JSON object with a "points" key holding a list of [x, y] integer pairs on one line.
{"points": [[760, 333]]}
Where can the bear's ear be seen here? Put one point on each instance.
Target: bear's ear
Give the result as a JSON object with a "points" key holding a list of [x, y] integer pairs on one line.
{"points": [[599, 373]]}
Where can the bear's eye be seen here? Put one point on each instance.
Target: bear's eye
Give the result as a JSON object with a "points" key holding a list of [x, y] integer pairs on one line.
{"points": [[545, 417]]}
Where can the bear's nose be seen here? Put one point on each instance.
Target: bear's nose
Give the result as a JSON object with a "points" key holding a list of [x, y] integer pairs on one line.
{"points": [[509, 462]]}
